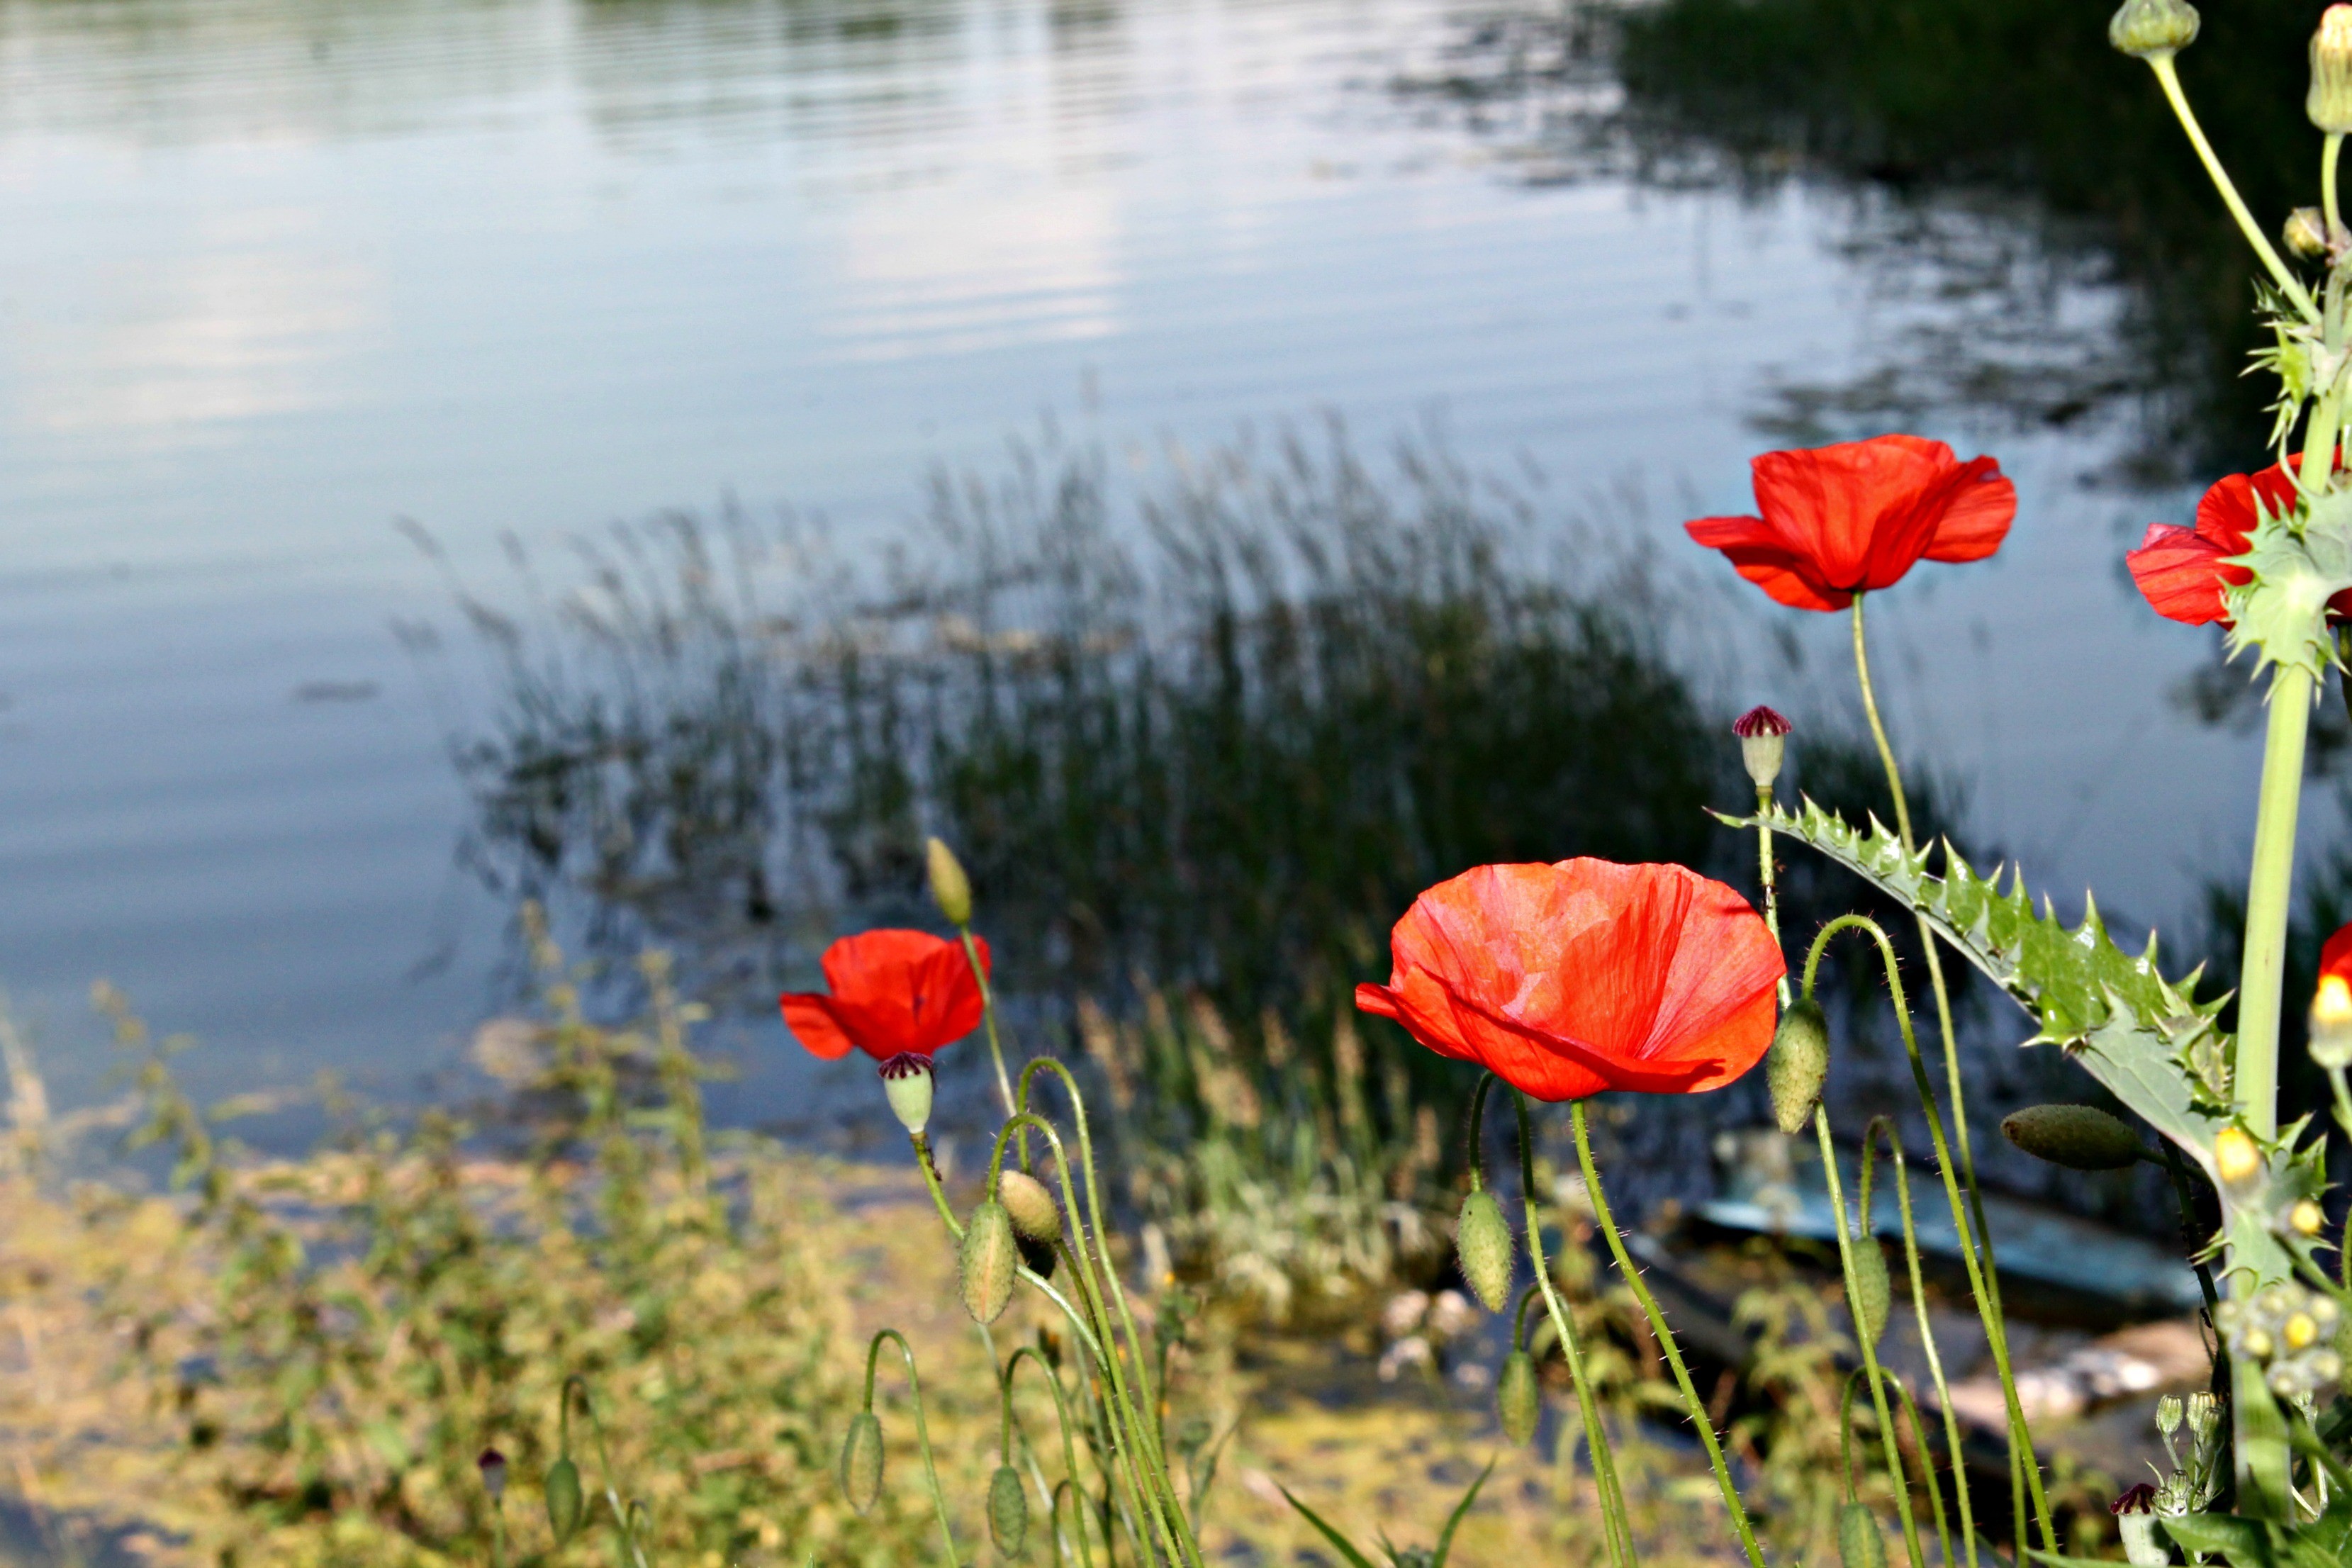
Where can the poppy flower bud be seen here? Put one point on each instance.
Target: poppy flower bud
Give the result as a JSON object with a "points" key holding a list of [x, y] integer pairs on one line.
{"points": [[1030, 1206], [2079, 1137], [2329, 102], [2153, 29], [1482, 1240], [1860, 1545], [1008, 1510], [1518, 1399], [988, 1261], [861, 1462], [493, 1466], [908, 1079], [1763, 742], [2331, 1023], [1798, 1064], [565, 1505], [2305, 233], [2238, 1161], [950, 888], [1871, 1295]]}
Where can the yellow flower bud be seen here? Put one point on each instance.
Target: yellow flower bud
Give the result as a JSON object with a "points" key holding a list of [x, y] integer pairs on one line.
{"points": [[2331, 1022], [2306, 1217], [2329, 102], [2299, 1330], [2153, 29], [2237, 1158], [950, 888]]}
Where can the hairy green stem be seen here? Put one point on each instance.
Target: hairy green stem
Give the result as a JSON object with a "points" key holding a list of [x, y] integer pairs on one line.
{"points": [[1934, 1356], [988, 1015], [1700, 1419], [1615, 1523], [2289, 285], [923, 1429], [2264, 971], [1846, 1243]]}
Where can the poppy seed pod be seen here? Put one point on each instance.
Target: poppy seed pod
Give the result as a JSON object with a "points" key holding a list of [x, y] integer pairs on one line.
{"points": [[1798, 1064], [564, 1502], [2079, 1137], [1860, 1545], [1763, 743], [950, 888], [1008, 1510], [2329, 102], [1517, 1399], [1482, 1240], [1871, 1295], [909, 1081], [2153, 29], [493, 1466], [1025, 1199], [987, 1262], [861, 1462]]}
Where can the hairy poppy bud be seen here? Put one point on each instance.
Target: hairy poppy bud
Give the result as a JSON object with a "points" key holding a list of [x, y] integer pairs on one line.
{"points": [[1482, 1240], [2079, 1137], [1872, 1294], [950, 888], [1024, 1198], [2331, 1023], [2305, 233], [1008, 1510], [1860, 1545], [861, 1462], [1763, 742], [1798, 1063], [987, 1262], [2153, 29], [1517, 1399], [2329, 102], [2238, 1161], [564, 1503], [493, 1466], [907, 1081]]}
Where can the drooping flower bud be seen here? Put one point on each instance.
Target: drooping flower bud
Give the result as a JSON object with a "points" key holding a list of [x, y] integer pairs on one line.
{"points": [[988, 1261], [2331, 1023], [1763, 742], [908, 1079], [950, 888], [1519, 1401], [1798, 1064], [1008, 1510], [565, 1505], [861, 1462], [1860, 1545], [2329, 102], [2153, 29], [1482, 1240], [2079, 1137], [493, 1466], [1871, 1295], [2238, 1161], [2305, 233], [1026, 1199]]}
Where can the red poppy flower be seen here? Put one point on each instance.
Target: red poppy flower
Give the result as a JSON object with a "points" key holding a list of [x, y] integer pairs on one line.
{"points": [[893, 991], [2180, 570], [1566, 980], [1845, 520]]}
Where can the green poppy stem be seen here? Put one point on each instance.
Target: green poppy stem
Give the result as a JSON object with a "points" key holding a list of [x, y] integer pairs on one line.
{"points": [[2263, 972]]}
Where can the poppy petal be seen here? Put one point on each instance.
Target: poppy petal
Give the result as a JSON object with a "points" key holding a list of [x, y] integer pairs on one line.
{"points": [[1756, 553], [1977, 515], [2181, 573], [810, 1019]]}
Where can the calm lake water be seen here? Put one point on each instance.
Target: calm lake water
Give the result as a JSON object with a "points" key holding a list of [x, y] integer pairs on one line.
{"points": [[277, 274]]}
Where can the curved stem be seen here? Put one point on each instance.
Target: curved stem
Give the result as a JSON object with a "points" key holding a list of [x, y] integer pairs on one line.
{"points": [[2263, 970], [922, 1428], [1069, 1444], [1698, 1413], [1846, 1244], [1928, 1470], [2025, 1466], [1935, 1360], [2289, 285], [1616, 1526]]}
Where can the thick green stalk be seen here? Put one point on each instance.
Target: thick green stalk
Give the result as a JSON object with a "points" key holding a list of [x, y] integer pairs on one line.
{"points": [[2329, 152], [2289, 285], [1846, 1244], [2263, 972], [1700, 1419], [1615, 1523]]}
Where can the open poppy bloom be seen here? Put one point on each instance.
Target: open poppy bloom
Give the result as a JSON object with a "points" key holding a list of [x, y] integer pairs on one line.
{"points": [[893, 992], [2182, 570], [1567, 980], [1853, 517]]}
